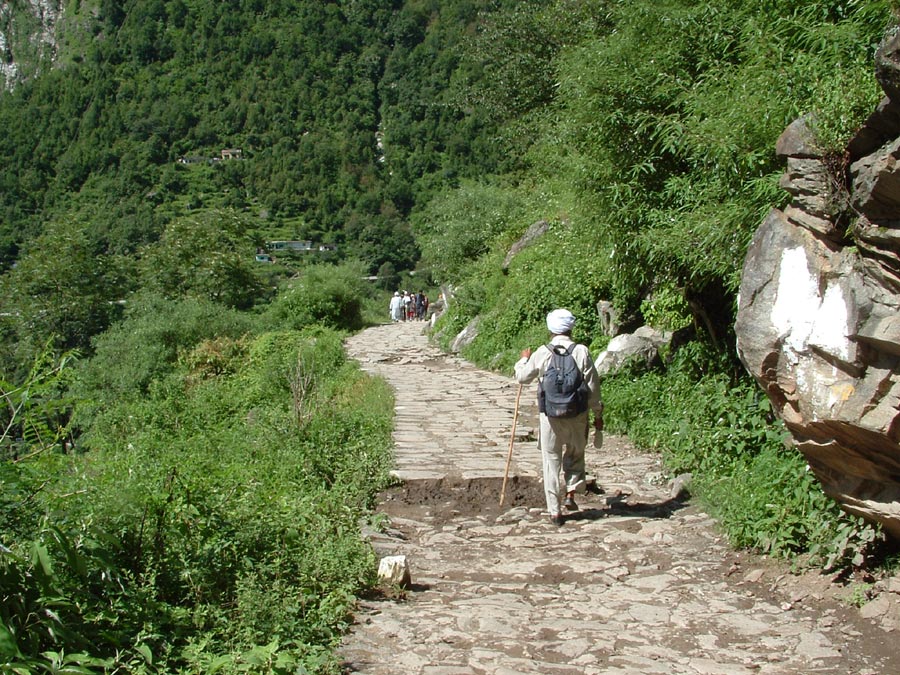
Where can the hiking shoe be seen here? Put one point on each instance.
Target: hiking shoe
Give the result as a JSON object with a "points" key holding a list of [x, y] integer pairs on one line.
{"points": [[593, 487], [556, 519], [570, 503]]}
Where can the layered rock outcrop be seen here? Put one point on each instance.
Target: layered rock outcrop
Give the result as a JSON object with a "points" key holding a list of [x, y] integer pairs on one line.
{"points": [[818, 321]]}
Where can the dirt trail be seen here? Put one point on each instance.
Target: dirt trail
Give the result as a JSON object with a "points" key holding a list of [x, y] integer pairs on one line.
{"points": [[634, 583]]}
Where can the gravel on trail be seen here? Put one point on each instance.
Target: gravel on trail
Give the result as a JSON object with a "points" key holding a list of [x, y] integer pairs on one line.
{"points": [[635, 582]]}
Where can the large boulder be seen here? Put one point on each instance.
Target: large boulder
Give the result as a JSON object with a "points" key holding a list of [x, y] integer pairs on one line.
{"points": [[639, 348], [818, 321], [466, 336]]}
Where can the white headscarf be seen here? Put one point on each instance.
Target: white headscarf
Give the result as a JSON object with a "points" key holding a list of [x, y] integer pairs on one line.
{"points": [[560, 321]]}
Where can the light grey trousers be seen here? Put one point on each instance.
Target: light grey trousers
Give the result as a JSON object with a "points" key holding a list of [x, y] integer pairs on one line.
{"points": [[562, 442]]}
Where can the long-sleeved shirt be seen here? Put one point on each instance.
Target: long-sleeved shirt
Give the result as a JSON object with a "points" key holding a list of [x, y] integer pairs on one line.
{"points": [[536, 365]]}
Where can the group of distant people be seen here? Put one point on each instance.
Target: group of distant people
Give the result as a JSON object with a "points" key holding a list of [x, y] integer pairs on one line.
{"points": [[406, 306]]}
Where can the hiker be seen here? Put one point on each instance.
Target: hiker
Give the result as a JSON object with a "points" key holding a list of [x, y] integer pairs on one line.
{"points": [[396, 307], [406, 301], [421, 305], [562, 439]]}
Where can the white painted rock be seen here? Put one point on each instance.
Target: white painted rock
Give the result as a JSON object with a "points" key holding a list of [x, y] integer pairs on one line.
{"points": [[817, 322], [394, 570]]}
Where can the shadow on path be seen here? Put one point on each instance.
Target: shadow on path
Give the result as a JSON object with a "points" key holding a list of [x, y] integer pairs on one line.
{"points": [[618, 507]]}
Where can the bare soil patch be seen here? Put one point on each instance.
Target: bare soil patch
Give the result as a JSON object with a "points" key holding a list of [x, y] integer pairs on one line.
{"points": [[446, 499]]}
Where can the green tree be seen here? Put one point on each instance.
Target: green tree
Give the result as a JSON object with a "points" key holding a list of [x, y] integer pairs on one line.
{"points": [[388, 279], [208, 255], [62, 292]]}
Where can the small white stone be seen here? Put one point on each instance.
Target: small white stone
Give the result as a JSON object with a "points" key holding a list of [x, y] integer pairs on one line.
{"points": [[394, 570]]}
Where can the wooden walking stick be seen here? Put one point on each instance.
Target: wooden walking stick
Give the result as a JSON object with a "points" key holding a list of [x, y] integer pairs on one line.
{"points": [[512, 438]]}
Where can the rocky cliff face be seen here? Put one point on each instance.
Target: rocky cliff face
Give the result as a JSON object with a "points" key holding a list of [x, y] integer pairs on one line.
{"points": [[818, 321], [27, 38]]}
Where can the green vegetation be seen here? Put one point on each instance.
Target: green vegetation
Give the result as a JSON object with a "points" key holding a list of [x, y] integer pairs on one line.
{"points": [[207, 518], [186, 452], [722, 429]]}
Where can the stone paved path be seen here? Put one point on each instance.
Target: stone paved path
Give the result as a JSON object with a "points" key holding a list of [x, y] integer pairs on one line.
{"points": [[635, 583]]}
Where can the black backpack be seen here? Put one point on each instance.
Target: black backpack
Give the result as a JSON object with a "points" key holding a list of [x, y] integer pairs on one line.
{"points": [[562, 391]]}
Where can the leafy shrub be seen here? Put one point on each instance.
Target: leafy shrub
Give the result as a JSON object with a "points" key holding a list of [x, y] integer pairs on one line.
{"points": [[515, 305], [463, 224], [145, 346], [666, 309], [289, 366], [62, 291], [214, 357], [771, 502], [203, 512], [206, 255], [36, 411], [64, 598], [330, 296], [375, 309]]}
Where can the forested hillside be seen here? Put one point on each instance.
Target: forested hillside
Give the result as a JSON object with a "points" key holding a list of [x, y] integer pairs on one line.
{"points": [[181, 426], [299, 87]]}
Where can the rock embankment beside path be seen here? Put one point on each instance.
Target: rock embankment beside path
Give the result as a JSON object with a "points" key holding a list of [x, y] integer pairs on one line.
{"points": [[817, 321], [635, 582]]}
